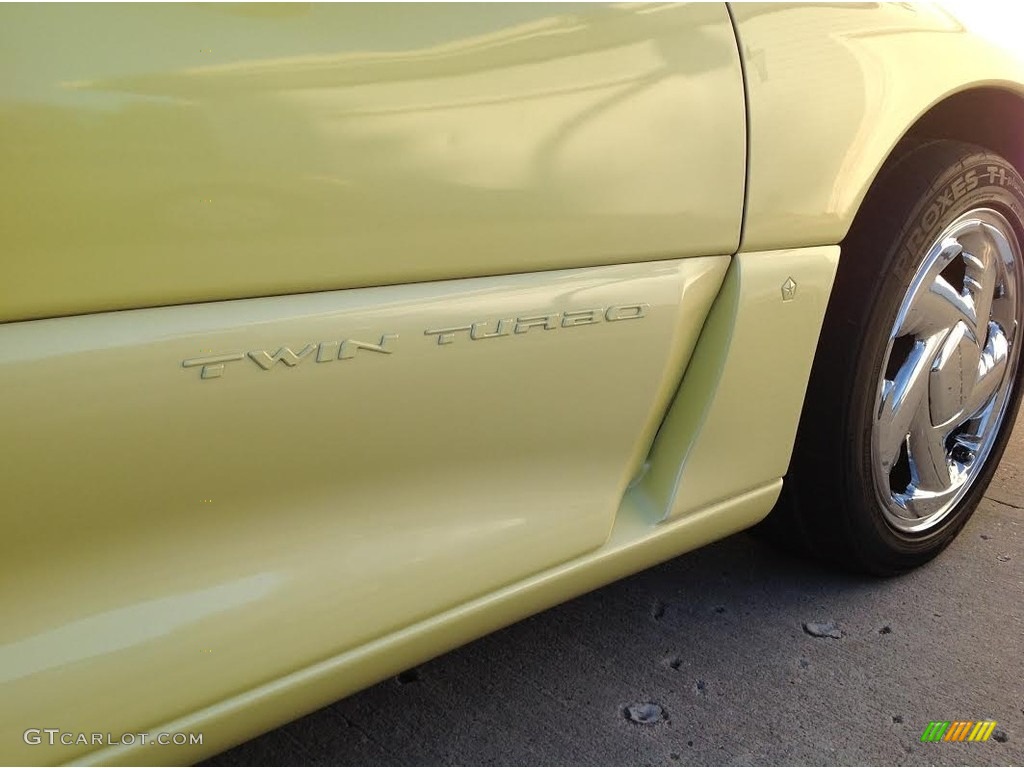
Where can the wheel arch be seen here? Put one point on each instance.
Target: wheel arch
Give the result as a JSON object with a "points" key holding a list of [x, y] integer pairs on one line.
{"points": [[955, 118]]}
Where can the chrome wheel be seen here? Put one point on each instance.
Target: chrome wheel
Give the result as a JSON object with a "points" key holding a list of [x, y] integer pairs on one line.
{"points": [[948, 371]]}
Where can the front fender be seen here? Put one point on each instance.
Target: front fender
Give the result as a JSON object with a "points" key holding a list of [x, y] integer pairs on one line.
{"points": [[831, 90]]}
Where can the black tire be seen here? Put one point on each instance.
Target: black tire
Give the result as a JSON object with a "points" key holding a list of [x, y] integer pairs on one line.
{"points": [[829, 507]]}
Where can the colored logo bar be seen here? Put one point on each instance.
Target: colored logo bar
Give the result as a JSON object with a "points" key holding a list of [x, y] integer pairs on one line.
{"points": [[958, 730]]}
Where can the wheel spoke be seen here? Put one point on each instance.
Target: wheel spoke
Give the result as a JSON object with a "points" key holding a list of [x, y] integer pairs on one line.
{"points": [[905, 400], [937, 307], [926, 449], [991, 370], [980, 285]]}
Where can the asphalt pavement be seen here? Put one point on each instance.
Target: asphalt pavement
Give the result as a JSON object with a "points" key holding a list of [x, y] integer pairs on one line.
{"points": [[706, 660]]}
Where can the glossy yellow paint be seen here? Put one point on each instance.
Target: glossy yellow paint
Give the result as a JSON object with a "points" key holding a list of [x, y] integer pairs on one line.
{"points": [[163, 525], [223, 554], [307, 576], [734, 419], [832, 88], [636, 543], [170, 153]]}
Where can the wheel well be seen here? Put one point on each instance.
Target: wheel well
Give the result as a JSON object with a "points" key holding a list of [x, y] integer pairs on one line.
{"points": [[989, 117]]}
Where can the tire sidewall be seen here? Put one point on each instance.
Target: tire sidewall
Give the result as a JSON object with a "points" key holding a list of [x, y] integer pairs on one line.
{"points": [[981, 180]]}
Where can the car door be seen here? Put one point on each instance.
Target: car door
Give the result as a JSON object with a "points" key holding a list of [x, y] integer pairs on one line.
{"points": [[323, 320]]}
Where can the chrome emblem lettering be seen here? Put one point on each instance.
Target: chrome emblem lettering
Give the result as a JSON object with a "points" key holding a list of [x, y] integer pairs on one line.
{"points": [[212, 367], [490, 329]]}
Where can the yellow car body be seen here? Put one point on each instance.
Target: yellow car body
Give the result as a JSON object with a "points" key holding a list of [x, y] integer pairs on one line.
{"points": [[332, 337]]}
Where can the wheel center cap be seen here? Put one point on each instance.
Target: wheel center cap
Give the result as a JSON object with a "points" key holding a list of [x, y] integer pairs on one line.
{"points": [[954, 374]]}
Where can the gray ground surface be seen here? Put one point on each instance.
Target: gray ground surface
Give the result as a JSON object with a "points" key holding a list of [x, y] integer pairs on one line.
{"points": [[715, 638]]}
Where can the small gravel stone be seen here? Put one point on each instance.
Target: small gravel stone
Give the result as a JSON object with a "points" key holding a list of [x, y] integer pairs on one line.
{"points": [[822, 629], [646, 713], [1000, 736], [885, 630], [1003, 558]]}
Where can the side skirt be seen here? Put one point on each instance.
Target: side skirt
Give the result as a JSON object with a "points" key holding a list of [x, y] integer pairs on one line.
{"points": [[633, 546]]}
